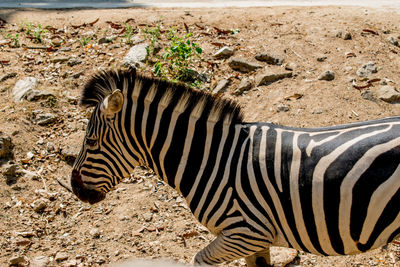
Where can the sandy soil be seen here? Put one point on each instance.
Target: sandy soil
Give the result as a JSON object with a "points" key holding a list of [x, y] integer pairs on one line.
{"points": [[143, 218]]}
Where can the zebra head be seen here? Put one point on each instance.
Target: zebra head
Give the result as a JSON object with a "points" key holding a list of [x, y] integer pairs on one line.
{"points": [[101, 163]]}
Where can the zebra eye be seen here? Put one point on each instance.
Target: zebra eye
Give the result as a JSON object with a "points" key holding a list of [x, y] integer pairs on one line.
{"points": [[91, 142]]}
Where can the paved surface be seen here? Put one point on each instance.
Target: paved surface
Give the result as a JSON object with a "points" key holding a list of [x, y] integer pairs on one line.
{"points": [[53, 4]]}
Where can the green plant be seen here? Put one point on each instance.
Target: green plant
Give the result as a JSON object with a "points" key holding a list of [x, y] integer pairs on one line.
{"points": [[128, 34], [85, 40], [153, 35], [51, 102], [15, 39], [38, 33], [178, 58]]}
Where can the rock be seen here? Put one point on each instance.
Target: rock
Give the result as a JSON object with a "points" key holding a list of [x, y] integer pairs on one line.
{"points": [[44, 119], [39, 204], [19, 261], [40, 261], [282, 108], [243, 65], [282, 256], [50, 147], [10, 173], [59, 59], [7, 76], [270, 58], [224, 52], [61, 256], [344, 35], [367, 95], [244, 85], [271, 76], [5, 146], [321, 58], [136, 56], [220, 87], [94, 232], [22, 87], [367, 69], [77, 74], [35, 95], [148, 216], [389, 94], [393, 40], [74, 61], [327, 75], [291, 66]]}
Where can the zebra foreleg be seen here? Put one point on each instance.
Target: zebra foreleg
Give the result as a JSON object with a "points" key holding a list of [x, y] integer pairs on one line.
{"points": [[259, 259], [222, 249]]}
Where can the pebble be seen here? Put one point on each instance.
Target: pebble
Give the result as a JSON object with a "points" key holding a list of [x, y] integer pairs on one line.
{"points": [[39, 204], [270, 58], [367, 95], [50, 147], [136, 56], [74, 61], [344, 35], [321, 58], [291, 66], [389, 94], [24, 86], [19, 261], [271, 76], [243, 65], [393, 40], [61, 256], [95, 232], [5, 146], [59, 60], [282, 256], [282, 108], [223, 53], [221, 87], [367, 69], [327, 75], [244, 85], [148, 216]]}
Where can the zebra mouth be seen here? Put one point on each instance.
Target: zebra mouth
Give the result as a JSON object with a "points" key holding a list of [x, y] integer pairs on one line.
{"points": [[82, 192]]}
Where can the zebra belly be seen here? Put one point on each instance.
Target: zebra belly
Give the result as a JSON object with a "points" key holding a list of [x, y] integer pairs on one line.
{"points": [[333, 191]]}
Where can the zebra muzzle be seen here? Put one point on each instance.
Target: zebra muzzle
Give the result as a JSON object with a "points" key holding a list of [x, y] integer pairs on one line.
{"points": [[82, 192]]}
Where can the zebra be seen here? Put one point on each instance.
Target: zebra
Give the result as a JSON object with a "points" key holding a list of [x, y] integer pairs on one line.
{"points": [[328, 191]]}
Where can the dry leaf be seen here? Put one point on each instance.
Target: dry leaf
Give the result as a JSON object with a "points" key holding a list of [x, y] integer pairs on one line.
{"points": [[294, 96]]}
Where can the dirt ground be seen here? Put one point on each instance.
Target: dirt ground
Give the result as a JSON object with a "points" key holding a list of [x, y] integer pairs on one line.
{"points": [[143, 218]]}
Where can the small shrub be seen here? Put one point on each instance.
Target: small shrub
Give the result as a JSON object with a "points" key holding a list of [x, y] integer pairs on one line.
{"points": [[85, 40], [177, 61], [129, 32]]}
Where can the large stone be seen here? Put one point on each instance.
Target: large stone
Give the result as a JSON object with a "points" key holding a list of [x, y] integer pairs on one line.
{"points": [[244, 85], [35, 95], [271, 76], [224, 52], [389, 94], [367, 69], [23, 87], [136, 56], [40, 261], [19, 261], [44, 119], [243, 65], [270, 58], [5, 146], [220, 87]]}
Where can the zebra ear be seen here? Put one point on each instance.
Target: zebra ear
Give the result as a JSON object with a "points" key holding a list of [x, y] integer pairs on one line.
{"points": [[112, 103]]}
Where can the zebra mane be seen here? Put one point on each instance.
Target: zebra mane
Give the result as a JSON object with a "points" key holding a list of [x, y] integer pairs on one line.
{"points": [[104, 83]]}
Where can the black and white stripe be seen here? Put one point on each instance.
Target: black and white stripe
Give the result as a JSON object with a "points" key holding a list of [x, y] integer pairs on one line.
{"points": [[328, 191]]}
